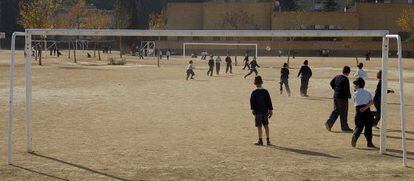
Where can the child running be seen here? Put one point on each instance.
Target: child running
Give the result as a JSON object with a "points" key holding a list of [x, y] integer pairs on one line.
{"points": [[262, 109], [190, 70], [253, 66], [284, 79], [363, 116], [246, 62]]}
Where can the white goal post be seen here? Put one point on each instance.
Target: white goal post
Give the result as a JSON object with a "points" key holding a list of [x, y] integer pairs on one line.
{"points": [[220, 44], [384, 34]]}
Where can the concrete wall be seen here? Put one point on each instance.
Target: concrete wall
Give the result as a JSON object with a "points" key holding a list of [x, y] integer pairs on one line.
{"points": [[215, 13], [380, 16], [185, 16], [294, 20]]}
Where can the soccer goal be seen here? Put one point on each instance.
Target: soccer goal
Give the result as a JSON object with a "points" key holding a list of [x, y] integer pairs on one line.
{"points": [[384, 34], [218, 45]]}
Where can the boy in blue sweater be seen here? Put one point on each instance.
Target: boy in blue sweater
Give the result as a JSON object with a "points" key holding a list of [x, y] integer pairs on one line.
{"points": [[262, 109]]}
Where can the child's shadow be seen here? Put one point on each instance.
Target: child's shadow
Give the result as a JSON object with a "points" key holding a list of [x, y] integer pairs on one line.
{"points": [[303, 152]]}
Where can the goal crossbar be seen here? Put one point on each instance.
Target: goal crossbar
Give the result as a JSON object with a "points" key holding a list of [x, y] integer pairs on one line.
{"points": [[206, 33]]}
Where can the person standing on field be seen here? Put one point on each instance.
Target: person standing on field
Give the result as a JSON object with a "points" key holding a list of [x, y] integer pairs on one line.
{"points": [[228, 64], [262, 109], [340, 84], [306, 73], [210, 66], [168, 54], [284, 79], [246, 62], [218, 62], [360, 73]]}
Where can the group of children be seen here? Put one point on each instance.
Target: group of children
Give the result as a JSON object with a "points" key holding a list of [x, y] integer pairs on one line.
{"points": [[211, 64], [365, 119]]}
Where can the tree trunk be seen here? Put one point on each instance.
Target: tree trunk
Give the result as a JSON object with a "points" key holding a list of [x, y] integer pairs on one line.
{"points": [[94, 51], [99, 53], [40, 57], [74, 54], [69, 51], [120, 47]]}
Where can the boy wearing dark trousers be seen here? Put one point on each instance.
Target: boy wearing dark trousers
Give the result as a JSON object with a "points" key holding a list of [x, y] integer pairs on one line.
{"points": [[253, 66], [228, 64], [262, 109], [284, 78], [210, 66], [190, 70], [363, 116], [340, 85], [306, 73], [246, 62], [377, 99]]}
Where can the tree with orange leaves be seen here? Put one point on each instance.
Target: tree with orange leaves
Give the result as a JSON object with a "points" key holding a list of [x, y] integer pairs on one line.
{"points": [[406, 21]]}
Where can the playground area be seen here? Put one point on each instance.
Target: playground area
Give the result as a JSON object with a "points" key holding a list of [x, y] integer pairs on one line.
{"points": [[94, 121]]}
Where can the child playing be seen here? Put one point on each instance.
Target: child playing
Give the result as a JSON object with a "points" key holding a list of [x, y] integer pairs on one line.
{"points": [[284, 78], [253, 66], [363, 115], [360, 73], [190, 70], [262, 109]]}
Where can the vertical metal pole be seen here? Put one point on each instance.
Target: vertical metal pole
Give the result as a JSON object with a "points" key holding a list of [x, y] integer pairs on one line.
{"points": [[184, 51], [256, 52], [28, 53], [402, 103], [384, 88], [10, 123]]}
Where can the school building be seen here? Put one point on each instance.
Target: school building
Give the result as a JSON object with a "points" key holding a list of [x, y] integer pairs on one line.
{"points": [[263, 16]]}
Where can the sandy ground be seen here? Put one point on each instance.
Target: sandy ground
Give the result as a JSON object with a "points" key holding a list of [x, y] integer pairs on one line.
{"points": [[139, 122]]}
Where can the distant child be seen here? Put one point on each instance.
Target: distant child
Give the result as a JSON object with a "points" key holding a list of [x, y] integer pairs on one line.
{"points": [[168, 54], [218, 62], [228, 64], [377, 99], [210, 66], [363, 116], [246, 62], [262, 109], [360, 73], [190, 70], [284, 78], [253, 66]]}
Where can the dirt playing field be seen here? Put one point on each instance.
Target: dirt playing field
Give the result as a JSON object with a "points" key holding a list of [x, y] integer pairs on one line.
{"points": [[92, 121]]}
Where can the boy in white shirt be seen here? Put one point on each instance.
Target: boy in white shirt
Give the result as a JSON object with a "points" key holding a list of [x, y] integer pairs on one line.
{"points": [[190, 70], [363, 116], [360, 73]]}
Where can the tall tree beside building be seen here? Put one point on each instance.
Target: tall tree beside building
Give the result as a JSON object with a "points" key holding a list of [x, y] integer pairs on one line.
{"points": [[406, 21], [329, 5], [38, 14], [157, 20]]}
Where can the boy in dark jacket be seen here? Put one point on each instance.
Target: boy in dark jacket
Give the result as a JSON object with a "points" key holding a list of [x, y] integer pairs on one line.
{"points": [[253, 66], [284, 78], [306, 73], [210, 66], [262, 109]]}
